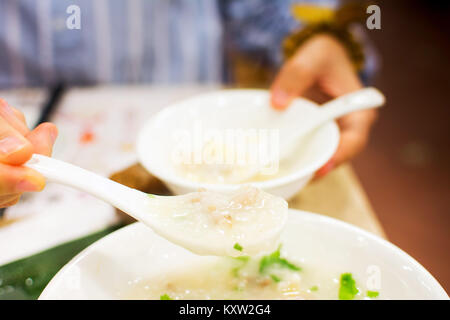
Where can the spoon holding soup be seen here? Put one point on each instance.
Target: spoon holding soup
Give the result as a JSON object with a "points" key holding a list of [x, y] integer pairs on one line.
{"points": [[245, 221]]}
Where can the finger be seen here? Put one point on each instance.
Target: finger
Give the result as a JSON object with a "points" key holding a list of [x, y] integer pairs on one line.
{"points": [[43, 137], [9, 200], [17, 179], [19, 115], [350, 144], [292, 80], [325, 169], [14, 117], [15, 149], [355, 129]]}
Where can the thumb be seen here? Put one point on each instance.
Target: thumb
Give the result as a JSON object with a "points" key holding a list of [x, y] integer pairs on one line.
{"points": [[292, 80], [43, 137]]}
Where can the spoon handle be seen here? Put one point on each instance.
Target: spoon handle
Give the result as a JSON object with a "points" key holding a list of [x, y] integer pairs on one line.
{"points": [[120, 196], [366, 98]]}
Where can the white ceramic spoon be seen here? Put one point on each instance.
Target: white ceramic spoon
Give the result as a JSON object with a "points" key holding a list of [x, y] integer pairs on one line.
{"points": [[366, 98], [294, 125], [204, 222]]}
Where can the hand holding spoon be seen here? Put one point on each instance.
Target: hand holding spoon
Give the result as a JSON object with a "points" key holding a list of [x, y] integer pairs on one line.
{"points": [[294, 125], [244, 222]]}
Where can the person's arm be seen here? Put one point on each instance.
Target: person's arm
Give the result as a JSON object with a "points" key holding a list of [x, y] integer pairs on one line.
{"points": [[17, 145]]}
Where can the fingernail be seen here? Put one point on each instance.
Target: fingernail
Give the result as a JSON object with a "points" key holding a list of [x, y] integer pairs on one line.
{"points": [[325, 169], [6, 111], [25, 185], [280, 99], [11, 144], [4, 104], [8, 114]]}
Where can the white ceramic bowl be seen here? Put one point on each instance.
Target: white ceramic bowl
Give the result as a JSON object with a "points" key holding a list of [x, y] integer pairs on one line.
{"points": [[135, 253], [231, 109]]}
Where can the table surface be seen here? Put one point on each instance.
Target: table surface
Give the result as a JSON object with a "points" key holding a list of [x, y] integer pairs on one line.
{"points": [[98, 127]]}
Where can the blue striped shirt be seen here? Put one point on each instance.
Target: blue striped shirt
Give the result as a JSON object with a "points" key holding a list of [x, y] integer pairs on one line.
{"points": [[133, 41]]}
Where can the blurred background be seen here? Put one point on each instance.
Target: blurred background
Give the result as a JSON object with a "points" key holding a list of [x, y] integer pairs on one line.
{"points": [[405, 169]]}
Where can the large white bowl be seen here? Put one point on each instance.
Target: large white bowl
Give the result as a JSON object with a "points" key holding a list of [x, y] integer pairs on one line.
{"points": [[232, 109], [135, 253]]}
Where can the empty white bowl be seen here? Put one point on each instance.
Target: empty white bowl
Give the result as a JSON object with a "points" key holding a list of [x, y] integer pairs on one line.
{"points": [[135, 255], [233, 109]]}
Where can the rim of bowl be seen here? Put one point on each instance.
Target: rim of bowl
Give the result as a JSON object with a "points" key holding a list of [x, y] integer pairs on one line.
{"points": [[266, 184], [311, 216]]}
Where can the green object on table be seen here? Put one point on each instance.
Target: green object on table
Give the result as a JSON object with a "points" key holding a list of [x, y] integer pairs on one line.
{"points": [[26, 278]]}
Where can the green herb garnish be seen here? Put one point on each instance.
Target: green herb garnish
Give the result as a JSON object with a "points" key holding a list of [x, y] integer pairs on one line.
{"points": [[238, 289], [275, 259], [314, 288], [242, 262], [165, 297], [151, 195], [347, 290], [235, 271], [275, 278], [238, 247], [242, 258], [373, 294]]}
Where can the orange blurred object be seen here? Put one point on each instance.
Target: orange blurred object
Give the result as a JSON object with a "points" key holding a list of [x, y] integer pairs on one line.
{"points": [[87, 136]]}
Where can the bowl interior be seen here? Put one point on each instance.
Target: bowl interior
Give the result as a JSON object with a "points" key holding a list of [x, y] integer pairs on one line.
{"points": [[109, 267], [232, 109]]}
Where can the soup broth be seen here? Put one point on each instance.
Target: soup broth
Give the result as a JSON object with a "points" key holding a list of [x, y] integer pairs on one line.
{"points": [[263, 277]]}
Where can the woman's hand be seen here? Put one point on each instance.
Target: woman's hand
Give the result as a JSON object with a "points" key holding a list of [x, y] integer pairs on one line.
{"points": [[321, 70], [17, 144]]}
